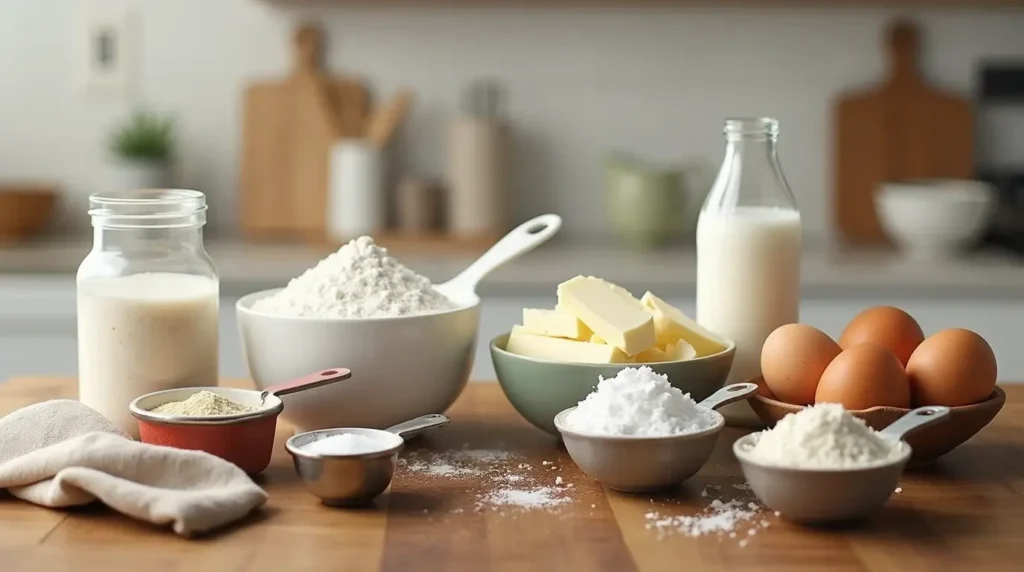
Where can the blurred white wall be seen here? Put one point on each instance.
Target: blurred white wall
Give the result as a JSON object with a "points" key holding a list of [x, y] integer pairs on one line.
{"points": [[657, 82]]}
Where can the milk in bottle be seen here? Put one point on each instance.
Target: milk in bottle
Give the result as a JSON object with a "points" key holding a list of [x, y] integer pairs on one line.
{"points": [[748, 251]]}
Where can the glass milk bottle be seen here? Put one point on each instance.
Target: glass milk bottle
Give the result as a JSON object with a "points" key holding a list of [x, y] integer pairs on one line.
{"points": [[147, 301], [748, 251]]}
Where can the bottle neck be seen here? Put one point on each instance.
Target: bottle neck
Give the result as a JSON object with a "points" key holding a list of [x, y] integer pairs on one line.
{"points": [[751, 175], [141, 239]]}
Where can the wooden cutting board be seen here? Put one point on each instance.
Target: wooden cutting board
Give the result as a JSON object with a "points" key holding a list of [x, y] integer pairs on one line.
{"points": [[289, 127], [901, 129]]}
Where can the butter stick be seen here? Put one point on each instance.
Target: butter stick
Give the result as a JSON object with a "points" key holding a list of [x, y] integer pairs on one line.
{"points": [[524, 343], [619, 321]]}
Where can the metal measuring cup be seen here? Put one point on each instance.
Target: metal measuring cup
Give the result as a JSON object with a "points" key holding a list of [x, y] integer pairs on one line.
{"points": [[354, 479]]}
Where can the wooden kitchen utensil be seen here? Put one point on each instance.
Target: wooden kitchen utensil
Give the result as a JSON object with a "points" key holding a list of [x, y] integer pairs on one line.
{"points": [[902, 129], [289, 127], [385, 121]]}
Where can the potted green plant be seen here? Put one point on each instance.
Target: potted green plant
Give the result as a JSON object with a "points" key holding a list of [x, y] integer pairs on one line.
{"points": [[142, 149]]}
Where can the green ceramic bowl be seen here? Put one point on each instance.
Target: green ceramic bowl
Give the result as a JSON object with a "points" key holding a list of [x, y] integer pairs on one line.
{"points": [[539, 389]]}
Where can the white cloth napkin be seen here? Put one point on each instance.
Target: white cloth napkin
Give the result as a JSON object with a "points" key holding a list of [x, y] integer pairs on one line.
{"points": [[61, 453]]}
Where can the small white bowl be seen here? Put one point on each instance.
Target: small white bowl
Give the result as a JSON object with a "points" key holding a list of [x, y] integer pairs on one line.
{"points": [[637, 464], [937, 218]]}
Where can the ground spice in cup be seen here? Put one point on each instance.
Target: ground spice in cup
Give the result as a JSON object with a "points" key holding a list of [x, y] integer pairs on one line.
{"points": [[204, 404]]}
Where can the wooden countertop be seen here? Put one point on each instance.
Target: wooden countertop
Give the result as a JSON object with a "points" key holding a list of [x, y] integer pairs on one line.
{"points": [[964, 513]]}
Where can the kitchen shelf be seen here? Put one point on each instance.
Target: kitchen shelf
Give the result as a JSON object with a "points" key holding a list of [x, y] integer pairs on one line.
{"points": [[559, 4]]}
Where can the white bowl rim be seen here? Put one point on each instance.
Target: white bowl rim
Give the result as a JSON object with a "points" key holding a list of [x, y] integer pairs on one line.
{"points": [[273, 407], [729, 347], [297, 451], [244, 306], [738, 449], [715, 429]]}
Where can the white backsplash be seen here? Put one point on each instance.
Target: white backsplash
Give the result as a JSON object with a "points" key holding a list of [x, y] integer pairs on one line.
{"points": [[580, 81]]}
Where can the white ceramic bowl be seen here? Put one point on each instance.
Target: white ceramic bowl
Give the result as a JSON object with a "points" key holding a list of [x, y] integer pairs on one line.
{"points": [[401, 367], [935, 218]]}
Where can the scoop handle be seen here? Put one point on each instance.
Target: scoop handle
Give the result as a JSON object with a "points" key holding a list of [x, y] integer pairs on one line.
{"points": [[305, 382], [522, 239], [916, 419], [418, 425], [729, 394]]}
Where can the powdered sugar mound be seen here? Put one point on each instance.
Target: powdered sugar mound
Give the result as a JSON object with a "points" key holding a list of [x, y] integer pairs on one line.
{"points": [[360, 280], [823, 436], [531, 498], [638, 401]]}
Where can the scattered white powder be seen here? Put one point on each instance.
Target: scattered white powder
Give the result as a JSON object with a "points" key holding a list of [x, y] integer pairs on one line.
{"points": [[638, 401], [345, 444], [536, 497], [724, 518], [360, 280], [719, 517], [823, 436]]}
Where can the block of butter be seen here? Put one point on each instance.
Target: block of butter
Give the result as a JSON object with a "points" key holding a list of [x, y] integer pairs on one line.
{"points": [[680, 351], [524, 343], [672, 325], [557, 323], [619, 321], [651, 355]]}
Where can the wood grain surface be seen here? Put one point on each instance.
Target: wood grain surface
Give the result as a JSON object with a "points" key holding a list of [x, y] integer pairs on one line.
{"points": [[963, 513], [903, 129]]}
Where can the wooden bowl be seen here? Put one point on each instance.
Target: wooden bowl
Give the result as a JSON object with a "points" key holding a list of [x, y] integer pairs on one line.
{"points": [[25, 210], [928, 444]]}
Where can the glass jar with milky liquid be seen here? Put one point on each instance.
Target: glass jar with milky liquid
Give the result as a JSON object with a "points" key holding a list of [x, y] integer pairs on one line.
{"points": [[748, 251], [148, 299]]}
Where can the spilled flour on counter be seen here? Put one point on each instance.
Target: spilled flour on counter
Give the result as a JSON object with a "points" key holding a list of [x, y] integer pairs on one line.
{"points": [[740, 517], [536, 497], [497, 479]]}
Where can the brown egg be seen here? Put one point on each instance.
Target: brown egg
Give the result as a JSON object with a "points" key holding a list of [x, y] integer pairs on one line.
{"points": [[952, 368], [864, 376], [891, 328], [793, 358]]}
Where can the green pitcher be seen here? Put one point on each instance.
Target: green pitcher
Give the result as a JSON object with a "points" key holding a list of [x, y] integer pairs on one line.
{"points": [[652, 206]]}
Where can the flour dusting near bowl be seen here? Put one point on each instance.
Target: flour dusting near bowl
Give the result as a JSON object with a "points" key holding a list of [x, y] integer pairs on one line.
{"points": [[360, 280], [639, 402], [502, 482], [739, 518]]}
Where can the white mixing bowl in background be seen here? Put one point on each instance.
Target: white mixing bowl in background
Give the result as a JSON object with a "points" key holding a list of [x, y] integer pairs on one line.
{"points": [[935, 218], [402, 367]]}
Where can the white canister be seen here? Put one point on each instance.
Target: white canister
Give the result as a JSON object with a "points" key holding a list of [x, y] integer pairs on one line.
{"points": [[356, 203]]}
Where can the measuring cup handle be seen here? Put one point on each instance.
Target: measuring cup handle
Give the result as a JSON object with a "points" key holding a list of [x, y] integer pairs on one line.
{"points": [[310, 381], [418, 425], [523, 238], [916, 419], [729, 394]]}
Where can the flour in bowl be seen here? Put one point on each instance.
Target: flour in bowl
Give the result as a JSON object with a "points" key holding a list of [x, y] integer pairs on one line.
{"points": [[638, 401], [824, 436], [360, 280]]}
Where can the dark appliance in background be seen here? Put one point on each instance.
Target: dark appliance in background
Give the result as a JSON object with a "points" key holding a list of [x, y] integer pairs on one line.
{"points": [[1000, 148]]}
